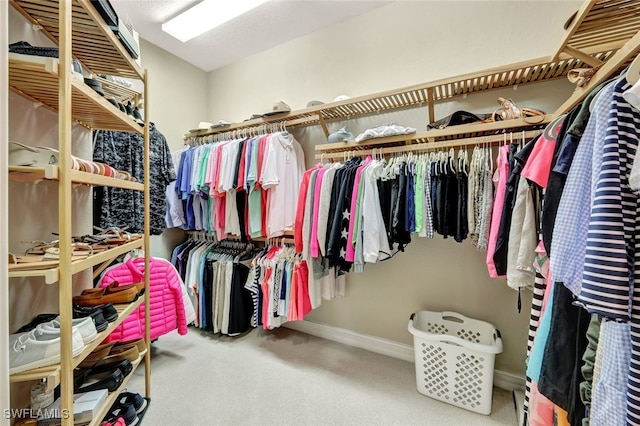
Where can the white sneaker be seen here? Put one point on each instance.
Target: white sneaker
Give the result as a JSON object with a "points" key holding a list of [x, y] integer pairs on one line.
{"points": [[85, 325], [39, 348]]}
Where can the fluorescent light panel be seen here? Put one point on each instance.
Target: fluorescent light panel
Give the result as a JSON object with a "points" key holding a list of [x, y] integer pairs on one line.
{"points": [[207, 15]]}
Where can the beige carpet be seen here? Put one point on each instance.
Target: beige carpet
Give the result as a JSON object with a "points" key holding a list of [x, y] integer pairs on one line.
{"points": [[284, 377]]}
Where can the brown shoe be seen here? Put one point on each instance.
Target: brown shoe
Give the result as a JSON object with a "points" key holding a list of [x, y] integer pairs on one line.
{"points": [[138, 343], [116, 355], [98, 353], [114, 287], [101, 297]]}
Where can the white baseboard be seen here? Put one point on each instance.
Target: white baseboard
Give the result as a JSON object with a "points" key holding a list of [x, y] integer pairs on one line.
{"points": [[390, 348]]}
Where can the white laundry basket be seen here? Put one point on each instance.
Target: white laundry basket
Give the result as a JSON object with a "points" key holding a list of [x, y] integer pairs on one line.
{"points": [[454, 358]]}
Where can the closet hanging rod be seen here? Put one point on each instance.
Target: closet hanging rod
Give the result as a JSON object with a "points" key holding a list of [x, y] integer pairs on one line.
{"points": [[430, 146]]}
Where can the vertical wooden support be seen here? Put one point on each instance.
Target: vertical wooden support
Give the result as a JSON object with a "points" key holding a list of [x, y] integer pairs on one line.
{"points": [[147, 226], [64, 212], [4, 227], [323, 124], [430, 103]]}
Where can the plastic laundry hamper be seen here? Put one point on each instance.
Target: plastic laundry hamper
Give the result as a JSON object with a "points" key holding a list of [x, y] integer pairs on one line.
{"points": [[454, 358]]}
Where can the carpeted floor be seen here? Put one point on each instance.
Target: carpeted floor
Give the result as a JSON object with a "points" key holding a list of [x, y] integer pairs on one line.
{"points": [[284, 377]]}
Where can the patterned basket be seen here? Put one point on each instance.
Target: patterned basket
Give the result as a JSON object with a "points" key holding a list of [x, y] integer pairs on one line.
{"points": [[455, 356]]}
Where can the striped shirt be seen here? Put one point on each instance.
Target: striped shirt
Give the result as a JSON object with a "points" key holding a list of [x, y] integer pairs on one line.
{"points": [[572, 220]]}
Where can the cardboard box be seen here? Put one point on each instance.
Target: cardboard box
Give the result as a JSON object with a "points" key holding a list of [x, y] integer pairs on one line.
{"points": [[85, 408]]}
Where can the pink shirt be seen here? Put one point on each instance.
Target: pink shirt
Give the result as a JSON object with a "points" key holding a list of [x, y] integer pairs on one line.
{"points": [[351, 253], [313, 244], [538, 165], [501, 188]]}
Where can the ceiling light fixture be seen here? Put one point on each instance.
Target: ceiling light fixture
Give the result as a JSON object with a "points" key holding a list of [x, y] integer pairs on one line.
{"points": [[205, 16]]}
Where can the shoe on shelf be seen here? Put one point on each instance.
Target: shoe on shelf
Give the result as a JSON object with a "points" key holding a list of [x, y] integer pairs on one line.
{"points": [[138, 343], [135, 399], [38, 319], [98, 354], [118, 421], [126, 411], [96, 316], [85, 325], [124, 366], [102, 376], [115, 287], [101, 297], [129, 353], [107, 310], [39, 348], [87, 382]]}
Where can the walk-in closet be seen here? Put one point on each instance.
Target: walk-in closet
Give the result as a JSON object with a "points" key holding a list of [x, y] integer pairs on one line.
{"points": [[328, 212]]}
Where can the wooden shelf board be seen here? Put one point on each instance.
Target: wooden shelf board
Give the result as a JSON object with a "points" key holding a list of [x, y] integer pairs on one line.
{"points": [[94, 44], [429, 136], [598, 21], [111, 398], [96, 259], [38, 80], [52, 372], [427, 146], [99, 180], [51, 274], [30, 174], [517, 74]]}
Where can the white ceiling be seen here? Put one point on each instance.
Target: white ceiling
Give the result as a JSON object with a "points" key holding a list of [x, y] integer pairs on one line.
{"points": [[266, 26]]}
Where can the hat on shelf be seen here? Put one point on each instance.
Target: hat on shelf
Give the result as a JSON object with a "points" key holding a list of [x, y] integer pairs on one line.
{"points": [[341, 98], [220, 123], [25, 155], [312, 104], [278, 108], [203, 125]]}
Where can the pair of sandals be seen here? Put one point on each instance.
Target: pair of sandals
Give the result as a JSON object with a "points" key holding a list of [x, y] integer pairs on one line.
{"points": [[45, 254], [509, 111]]}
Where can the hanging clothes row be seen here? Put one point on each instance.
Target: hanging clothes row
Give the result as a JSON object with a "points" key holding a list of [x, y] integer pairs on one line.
{"points": [[244, 186], [363, 210], [278, 283], [215, 274], [565, 223]]}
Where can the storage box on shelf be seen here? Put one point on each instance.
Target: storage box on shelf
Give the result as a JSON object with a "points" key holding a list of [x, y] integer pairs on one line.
{"points": [[80, 32]]}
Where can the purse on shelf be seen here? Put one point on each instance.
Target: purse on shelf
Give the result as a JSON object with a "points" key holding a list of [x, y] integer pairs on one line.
{"points": [[509, 111]]}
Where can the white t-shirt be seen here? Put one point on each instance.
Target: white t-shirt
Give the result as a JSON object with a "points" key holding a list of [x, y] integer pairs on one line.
{"points": [[282, 171]]}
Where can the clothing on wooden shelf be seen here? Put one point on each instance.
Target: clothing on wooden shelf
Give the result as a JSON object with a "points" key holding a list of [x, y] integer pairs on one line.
{"points": [[590, 221], [168, 309], [124, 208], [247, 187]]}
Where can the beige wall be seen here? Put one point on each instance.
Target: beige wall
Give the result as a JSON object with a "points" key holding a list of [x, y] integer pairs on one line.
{"points": [[397, 45], [178, 100]]}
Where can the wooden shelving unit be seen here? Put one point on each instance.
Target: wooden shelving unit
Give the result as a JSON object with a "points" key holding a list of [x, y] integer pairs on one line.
{"points": [[80, 33], [30, 174], [51, 275], [52, 372], [93, 43], [37, 79]]}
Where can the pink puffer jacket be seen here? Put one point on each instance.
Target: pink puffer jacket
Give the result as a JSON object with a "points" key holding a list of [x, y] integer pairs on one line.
{"points": [[167, 308]]}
